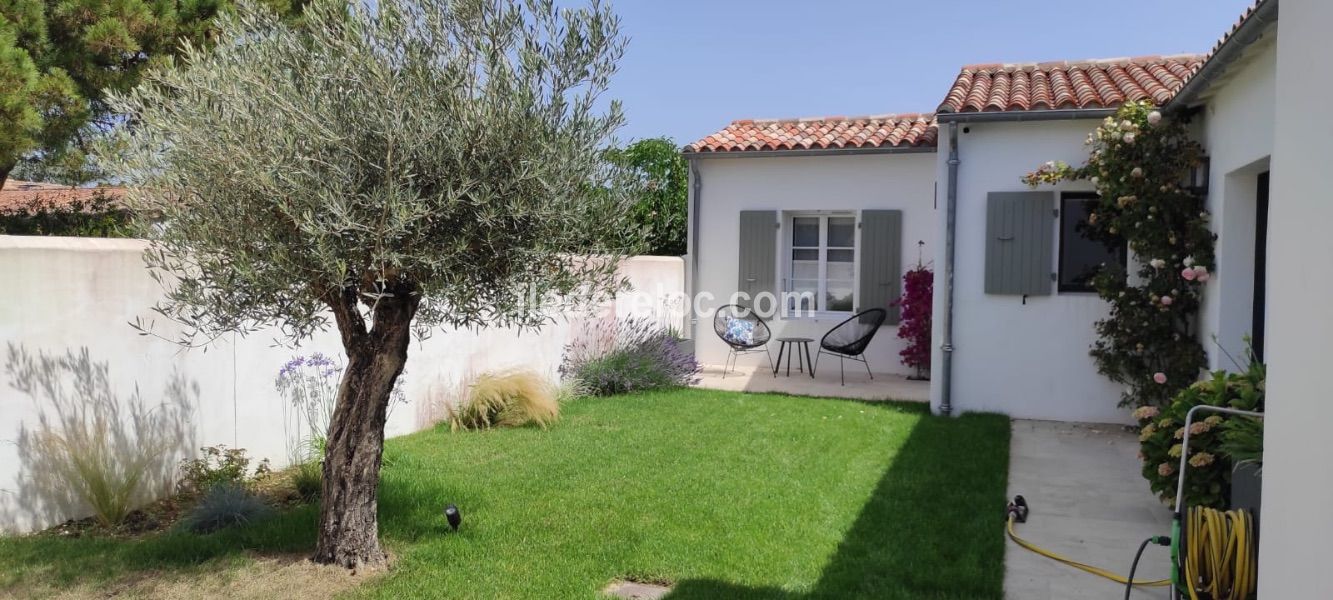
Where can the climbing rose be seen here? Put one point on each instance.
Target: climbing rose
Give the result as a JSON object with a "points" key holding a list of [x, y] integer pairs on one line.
{"points": [[1159, 377], [1137, 172], [1157, 263], [1188, 274], [1154, 118], [1129, 138], [1189, 261], [1166, 301]]}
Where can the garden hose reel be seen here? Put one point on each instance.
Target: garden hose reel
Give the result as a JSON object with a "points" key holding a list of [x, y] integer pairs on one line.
{"points": [[1214, 553]]}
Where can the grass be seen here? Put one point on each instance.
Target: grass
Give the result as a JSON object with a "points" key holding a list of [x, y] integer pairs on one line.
{"points": [[725, 495]]}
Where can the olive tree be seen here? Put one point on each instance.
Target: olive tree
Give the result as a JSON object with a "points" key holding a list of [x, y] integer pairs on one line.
{"points": [[389, 168]]}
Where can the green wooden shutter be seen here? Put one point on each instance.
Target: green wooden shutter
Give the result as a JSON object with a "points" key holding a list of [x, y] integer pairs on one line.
{"points": [[1019, 230], [881, 276], [758, 253]]}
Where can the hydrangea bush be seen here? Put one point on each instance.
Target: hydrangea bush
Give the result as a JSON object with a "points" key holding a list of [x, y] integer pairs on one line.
{"points": [[1140, 163], [1162, 431]]}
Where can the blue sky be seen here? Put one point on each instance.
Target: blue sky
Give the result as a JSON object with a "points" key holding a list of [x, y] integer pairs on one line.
{"points": [[692, 66]]}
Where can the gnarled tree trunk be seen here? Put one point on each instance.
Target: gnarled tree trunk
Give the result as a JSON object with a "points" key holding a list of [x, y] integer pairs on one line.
{"points": [[348, 523]]}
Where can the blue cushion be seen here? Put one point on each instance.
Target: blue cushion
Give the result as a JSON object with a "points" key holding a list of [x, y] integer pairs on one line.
{"points": [[739, 332]]}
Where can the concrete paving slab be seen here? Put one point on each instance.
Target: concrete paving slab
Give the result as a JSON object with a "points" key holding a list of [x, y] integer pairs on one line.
{"points": [[633, 590], [1088, 502]]}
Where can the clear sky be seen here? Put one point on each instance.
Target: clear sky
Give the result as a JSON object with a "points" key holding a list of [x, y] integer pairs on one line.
{"points": [[693, 66]]}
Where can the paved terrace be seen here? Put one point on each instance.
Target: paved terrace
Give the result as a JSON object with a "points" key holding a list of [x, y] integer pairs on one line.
{"points": [[824, 384]]}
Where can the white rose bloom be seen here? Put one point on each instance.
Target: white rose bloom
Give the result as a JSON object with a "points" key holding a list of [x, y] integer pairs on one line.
{"points": [[1129, 138], [1154, 118]]}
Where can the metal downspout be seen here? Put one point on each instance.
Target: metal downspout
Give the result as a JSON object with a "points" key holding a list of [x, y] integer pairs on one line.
{"points": [[695, 186], [951, 211]]}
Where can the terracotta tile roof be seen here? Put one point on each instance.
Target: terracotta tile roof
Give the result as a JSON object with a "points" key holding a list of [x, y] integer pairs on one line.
{"points": [[32, 196], [1102, 83], [825, 133]]}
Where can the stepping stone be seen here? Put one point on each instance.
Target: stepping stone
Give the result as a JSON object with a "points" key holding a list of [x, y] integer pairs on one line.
{"points": [[633, 590]]}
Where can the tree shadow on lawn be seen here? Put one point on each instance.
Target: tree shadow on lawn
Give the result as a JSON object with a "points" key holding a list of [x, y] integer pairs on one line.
{"points": [[932, 529]]}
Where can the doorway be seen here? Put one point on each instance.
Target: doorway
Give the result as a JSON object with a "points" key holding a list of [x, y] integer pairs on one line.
{"points": [[1260, 267]]}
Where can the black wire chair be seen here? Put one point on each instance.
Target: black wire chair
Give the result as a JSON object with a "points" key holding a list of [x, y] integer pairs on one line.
{"points": [[850, 338], [759, 335]]}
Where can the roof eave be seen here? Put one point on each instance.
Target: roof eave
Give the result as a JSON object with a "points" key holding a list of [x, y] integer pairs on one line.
{"points": [[921, 149], [1249, 31], [1059, 114]]}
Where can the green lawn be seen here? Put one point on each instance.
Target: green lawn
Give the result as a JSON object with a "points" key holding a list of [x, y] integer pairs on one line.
{"points": [[726, 495]]}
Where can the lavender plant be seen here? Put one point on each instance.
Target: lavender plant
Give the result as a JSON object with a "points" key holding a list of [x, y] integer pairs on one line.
{"points": [[628, 355]]}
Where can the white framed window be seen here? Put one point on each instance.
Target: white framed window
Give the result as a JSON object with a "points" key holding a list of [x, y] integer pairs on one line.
{"points": [[819, 262]]}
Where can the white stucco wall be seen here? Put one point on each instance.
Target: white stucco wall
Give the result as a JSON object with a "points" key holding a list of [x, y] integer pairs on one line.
{"points": [[67, 294], [847, 182], [1027, 360], [1237, 133], [1298, 480]]}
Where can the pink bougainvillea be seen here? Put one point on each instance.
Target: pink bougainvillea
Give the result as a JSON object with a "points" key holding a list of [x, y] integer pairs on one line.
{"points": [[916, 304]]}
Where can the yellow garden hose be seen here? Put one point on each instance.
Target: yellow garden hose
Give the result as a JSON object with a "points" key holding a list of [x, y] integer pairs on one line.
{"points": [[1220, 558], [1098, 571]]}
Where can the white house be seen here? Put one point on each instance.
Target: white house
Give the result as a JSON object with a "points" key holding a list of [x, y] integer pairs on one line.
{"points": [[833, 207], [1014, 312], [1015, 334]]}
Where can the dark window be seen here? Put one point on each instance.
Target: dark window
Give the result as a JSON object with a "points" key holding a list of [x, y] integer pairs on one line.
{"points": [[1081, 257]]}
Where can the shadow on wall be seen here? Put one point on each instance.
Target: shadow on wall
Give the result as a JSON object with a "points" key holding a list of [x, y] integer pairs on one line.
{"points": [[90, 450]]}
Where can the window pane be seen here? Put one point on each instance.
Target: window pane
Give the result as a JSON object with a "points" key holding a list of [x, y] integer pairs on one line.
{"points": [[841, 271], [805, 269], [839, 296], [803, 254], [841, 232], [803, 294], [805, 231], [841, 255], [1081, 257]]}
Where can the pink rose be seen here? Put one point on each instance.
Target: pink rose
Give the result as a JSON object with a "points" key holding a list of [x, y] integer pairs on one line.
{"points": [[1188, 274], [1159, 377], [1166, 301]]}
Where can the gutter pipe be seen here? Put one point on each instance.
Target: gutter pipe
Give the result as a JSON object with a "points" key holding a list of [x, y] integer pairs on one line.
{"points": [[1247, 33], [926, 148], [695, 187], [1024, 115], [951, 211]]}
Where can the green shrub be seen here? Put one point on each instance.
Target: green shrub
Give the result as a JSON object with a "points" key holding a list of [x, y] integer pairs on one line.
{"points": [[91, 448], [218, 465], [628, 355], [86, 461], [226, 504], [506, 400], [1208, 479], [309, 479]]}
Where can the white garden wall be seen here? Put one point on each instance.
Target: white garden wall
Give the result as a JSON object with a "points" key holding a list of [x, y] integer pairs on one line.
{"points": [[1024, 358], [904, 182], [70, 294]]}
